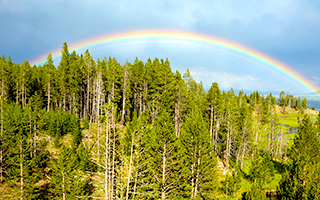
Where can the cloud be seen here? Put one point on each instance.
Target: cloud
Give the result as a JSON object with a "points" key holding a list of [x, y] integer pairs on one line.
{"points": [[286, 30], [225, 80]]}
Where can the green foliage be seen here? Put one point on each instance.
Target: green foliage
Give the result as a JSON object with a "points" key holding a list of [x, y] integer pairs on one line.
{"points": [[159, 135], [199, 156], [24, 161], [304, 103], [231, 184], [262, 169], [255, 192], [303, 174], [66, 177]]}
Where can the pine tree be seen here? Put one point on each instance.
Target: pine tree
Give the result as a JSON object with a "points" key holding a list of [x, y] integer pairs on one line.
{"points": [[63, 76], [214, 106], [137, 85], [66, 180], [179, 92], [299, 181], [304, 104], [244, 136], [163, 162], [49, 69], [199, 157]]}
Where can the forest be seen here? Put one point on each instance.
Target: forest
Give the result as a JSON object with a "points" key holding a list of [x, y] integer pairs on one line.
{"points": [[96, 129]]}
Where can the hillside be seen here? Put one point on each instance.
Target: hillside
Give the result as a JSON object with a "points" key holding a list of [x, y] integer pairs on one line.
{"points": [[97, 129]]}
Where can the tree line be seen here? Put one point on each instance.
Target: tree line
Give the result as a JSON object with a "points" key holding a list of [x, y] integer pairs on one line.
{"points": [[90, 129]]}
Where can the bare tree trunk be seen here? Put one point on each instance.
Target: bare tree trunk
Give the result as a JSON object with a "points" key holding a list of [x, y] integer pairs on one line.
{"points": [[135, 185], [113, 176], [98, 94], [163, 193], [64, 99], [140, 104], [23, 92], [34, 139], [130, 166], [87, 110], [107, 159], [228, 146], [63, 187], [192, 180], [17, 93], [198, 175]]}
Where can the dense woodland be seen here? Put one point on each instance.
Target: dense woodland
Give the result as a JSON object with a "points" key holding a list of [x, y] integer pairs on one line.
{"points": [[89, 129]]}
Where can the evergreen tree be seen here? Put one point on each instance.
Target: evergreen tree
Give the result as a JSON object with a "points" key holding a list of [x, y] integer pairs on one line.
{"points": [[214, 100], [304, 104], [66, 180], [199, 157], [63, 76], [163, 161], [299, 181]]}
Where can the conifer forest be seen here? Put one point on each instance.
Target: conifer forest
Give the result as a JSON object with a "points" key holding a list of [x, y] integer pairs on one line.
{"points": [[96, 129]]}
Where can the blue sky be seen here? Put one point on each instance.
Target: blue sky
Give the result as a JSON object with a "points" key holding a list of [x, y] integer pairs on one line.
{"points": [[288, 31]]}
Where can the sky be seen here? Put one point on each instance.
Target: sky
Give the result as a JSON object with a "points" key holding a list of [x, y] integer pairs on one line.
{"points": [[287, 31]]}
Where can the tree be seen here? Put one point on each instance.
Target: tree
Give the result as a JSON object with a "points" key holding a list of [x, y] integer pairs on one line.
{"points": [[49, 69], [199, 157], [162, 155], [304, 103], [63, 75], [66, 180], [303, 173], [214, 106]]}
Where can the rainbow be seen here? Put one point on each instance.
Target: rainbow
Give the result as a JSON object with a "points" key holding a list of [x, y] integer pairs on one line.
{"points": [[191, 40]]}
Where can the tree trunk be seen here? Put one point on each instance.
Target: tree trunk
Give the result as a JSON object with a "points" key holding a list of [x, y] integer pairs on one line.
{"points": [[107, 159], [228, 147], [21, 169], [113, 180], [130, 166], [145, 88], [163, 193], [17, 93], [135, 185], [64, 99], [88, 91], [124, 91], [34, 139], [192, 180], [49, 88], [198, 175], [63, 187], [176, 118]]}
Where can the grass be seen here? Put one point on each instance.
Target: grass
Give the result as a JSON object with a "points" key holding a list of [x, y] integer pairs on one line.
{"points": [[289, 120]]}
